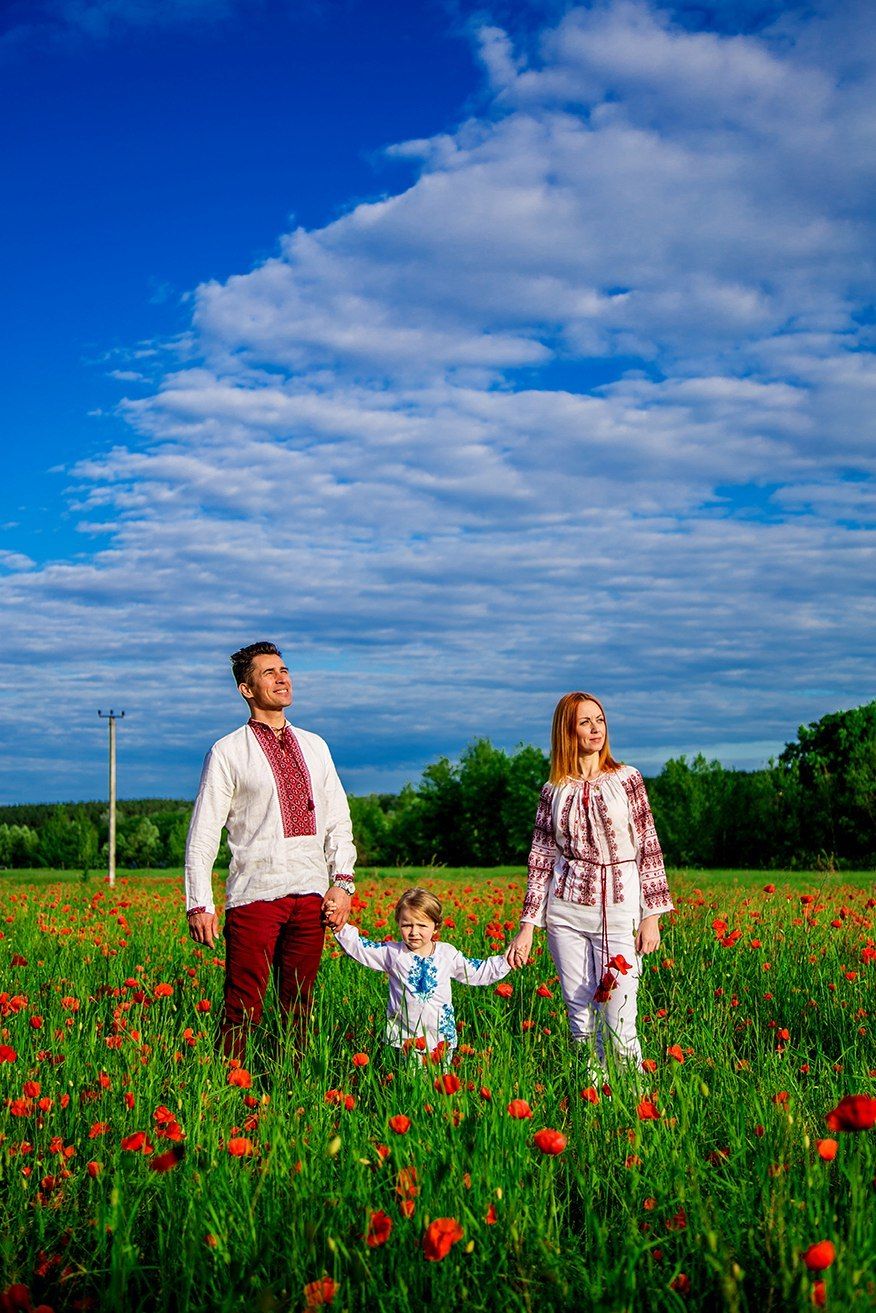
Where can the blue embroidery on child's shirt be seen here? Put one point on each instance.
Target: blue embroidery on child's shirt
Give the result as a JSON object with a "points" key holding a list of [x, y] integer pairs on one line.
{"points": [[447, 1024], [422, 977], [475, 963]]}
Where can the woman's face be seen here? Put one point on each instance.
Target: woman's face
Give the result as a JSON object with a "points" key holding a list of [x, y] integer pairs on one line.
{"points": [[590, 728]]}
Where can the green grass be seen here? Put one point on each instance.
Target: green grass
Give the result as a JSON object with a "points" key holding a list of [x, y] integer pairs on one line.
{"points": [[726, 1188]]}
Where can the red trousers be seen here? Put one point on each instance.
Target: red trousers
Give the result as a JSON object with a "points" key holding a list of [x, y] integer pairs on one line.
{"points": [[284, 936]]}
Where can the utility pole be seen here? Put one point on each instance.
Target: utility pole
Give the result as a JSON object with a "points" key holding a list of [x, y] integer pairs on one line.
{"points": [[112, 717]]}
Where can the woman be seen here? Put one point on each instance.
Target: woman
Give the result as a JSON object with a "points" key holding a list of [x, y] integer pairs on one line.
{"points": [[596, 879]]}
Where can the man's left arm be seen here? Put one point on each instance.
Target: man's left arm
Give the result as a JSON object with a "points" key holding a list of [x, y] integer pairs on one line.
{"points": [[340, 851]]}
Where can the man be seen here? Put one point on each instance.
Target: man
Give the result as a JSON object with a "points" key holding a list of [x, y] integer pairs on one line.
{"points": [[292, 857]]}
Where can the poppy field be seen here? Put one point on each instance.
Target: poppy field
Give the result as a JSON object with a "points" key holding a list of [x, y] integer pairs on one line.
{"points": [[139, 1171]]}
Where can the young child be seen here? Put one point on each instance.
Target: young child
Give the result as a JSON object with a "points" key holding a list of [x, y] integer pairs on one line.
{"points": [[420, 971]]}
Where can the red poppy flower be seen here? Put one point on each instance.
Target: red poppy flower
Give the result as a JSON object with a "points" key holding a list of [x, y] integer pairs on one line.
{"points": [[406, 1186], [400, 1124], [827, 1149], [164, 1162], [519, 1108], [492, 1216], [675, 1051], [447, 1083], [649, 1065], [16, 1299], [441, 1235], [239, 1147], [137, 1143], [620, 963], [504, 990], [94, 1169], [647, 1110], [680, 1284], [203, 1005], [98, 1128], [360, 1059], [819, 1256], [318, 1294], [379, 1228], [7, 1053], [854, 1112], [549, 1141], [163, 990], [240, 1077], [544, 992], [590, 1095], [606, 985]]}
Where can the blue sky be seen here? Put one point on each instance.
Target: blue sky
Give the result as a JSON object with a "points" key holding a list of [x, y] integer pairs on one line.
{"points": [[472, 353]]}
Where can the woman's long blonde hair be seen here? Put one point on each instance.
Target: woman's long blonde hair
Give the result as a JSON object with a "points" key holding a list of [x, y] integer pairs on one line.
{"points": [[565, 753]]}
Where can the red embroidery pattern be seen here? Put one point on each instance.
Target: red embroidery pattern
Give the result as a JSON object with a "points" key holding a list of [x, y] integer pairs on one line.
{"points": [[542, 854], [655, 888], [291, 776], [582, 866], [617, 889]]}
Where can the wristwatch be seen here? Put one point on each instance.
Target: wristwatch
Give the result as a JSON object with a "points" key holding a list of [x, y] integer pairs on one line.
{"points": [[345, 882]]}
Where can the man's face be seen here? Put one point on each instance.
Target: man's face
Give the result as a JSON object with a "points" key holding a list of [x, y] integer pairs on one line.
{"points": [[269, 687]]}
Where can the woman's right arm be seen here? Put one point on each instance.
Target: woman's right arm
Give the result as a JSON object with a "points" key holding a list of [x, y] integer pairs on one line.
{"points": [[542, 855]]}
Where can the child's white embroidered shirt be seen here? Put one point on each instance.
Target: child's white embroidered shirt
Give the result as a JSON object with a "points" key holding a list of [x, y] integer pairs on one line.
{"points": [[420, 1000]]}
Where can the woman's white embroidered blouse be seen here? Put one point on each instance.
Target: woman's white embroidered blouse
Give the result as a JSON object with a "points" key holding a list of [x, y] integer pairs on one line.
{"points": [[594, 833]]}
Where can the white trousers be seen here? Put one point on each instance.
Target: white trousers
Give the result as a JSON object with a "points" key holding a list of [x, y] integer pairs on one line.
{"points": [[574, 936]]}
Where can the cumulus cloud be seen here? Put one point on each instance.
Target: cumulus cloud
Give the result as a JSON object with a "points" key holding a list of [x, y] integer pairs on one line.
{"points": [[587, 404]]}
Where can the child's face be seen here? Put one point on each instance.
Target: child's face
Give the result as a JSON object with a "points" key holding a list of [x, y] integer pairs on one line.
{"points": [[417, 930]]}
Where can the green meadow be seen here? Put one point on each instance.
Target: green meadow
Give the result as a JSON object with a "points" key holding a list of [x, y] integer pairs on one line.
{"points": [[141, 1172]]}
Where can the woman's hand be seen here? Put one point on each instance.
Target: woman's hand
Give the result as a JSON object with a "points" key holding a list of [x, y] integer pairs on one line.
{"points": [[517, 954], [648, 937]]}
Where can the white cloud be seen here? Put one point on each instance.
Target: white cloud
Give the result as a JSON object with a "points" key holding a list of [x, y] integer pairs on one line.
{"points": [[588, 404]]}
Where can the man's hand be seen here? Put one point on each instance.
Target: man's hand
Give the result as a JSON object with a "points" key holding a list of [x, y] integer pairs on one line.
{"points": [[204, 928], [336, 908], [648, 937], [517, 953]]}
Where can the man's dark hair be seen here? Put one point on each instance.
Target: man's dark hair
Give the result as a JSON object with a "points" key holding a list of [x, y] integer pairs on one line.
{"points": [[241, 662]]}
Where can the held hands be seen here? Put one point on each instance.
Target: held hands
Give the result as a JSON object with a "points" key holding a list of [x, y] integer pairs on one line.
{"points": [[517, 954], [336, 908], [204, 928], [648, 936]]}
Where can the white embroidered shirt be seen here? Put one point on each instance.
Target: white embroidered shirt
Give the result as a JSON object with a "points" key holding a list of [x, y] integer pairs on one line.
{"points": [[266, 794], [420, 1001]]}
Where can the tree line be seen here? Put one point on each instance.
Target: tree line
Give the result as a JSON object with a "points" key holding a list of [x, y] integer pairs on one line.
{"points": [[815, 805]]}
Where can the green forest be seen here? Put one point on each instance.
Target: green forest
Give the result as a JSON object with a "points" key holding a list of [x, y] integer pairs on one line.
{"points": [[812, 807]]}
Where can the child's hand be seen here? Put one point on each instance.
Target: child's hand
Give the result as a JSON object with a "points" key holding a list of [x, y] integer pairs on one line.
{"points": [[517, 953]]}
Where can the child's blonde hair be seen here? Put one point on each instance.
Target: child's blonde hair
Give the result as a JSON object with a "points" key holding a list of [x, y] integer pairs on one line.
{"points": [[419, 900]]}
